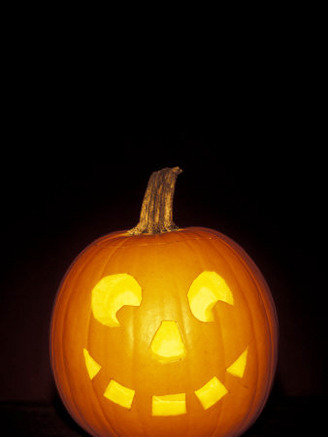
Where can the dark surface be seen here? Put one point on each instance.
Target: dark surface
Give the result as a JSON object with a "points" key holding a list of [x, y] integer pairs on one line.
{"points": [[290, 416]]}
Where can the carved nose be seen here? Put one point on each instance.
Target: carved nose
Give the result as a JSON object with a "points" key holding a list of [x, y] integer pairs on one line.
{"points": [[167, 344]]}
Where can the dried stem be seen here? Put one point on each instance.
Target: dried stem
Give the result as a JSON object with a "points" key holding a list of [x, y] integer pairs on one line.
{"points": [[156, 215]]}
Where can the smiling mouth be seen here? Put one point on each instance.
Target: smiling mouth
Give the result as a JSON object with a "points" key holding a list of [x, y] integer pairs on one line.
{"points": [[172, 404]]}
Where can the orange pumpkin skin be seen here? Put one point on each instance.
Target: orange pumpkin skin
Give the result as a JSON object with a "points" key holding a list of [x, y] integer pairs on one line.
{"points": [[165, 265]]}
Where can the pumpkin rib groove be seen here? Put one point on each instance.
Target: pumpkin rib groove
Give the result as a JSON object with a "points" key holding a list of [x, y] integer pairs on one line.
{"points": [[183, 306], [202, 265], [252, 402], [251, 321], [93, 390], [249, 266], [253, 410], [265, 312], [89, 383], [237, 256], [221, 410], [76, 411], [94, 413], [137, 328], [135, 365], [221, 406], [222, 347], [65, 361], [100, 400], [268, 356], [270, 312], [91, 405]]}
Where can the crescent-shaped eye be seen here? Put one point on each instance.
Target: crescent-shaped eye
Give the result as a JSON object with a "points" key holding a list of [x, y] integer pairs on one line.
{"points": [[110, 294], [207, 289]]}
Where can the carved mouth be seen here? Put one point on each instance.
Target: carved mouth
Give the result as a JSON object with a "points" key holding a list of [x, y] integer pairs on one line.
{"points": [[172, 404]]}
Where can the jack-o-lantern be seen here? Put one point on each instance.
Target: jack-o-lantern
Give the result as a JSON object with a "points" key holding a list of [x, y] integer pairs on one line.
{"points": [[161, 331]]}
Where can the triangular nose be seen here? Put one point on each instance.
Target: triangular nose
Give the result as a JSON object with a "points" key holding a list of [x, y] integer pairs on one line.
{"points": [[167, 344]]}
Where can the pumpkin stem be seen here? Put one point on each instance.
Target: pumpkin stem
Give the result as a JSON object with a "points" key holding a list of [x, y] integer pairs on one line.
{"points": [[156, 215]]}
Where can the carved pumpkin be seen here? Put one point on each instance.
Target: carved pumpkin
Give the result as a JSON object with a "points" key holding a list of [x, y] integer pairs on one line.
{"points": [[162, 331]]}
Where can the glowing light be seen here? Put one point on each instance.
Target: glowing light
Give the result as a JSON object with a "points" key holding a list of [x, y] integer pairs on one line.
{"points": [[237, 368], [167, 343], [169, 405], [211, 393], [207, 289], [119, 394], [92, 366], [110, 294]]}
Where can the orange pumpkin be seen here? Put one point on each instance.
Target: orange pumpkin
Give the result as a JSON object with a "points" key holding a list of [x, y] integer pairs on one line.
{"points": [[161, 331]]}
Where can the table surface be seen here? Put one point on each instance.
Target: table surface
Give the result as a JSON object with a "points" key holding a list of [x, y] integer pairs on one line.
{"points": [[290, 416]]}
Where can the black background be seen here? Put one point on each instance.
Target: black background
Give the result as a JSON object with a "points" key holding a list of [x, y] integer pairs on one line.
{"points": [[75, 164]]}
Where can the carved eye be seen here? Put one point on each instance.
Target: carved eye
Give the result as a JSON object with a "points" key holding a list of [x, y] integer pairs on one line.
{"points": [[110, 294], [207, 289]]}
